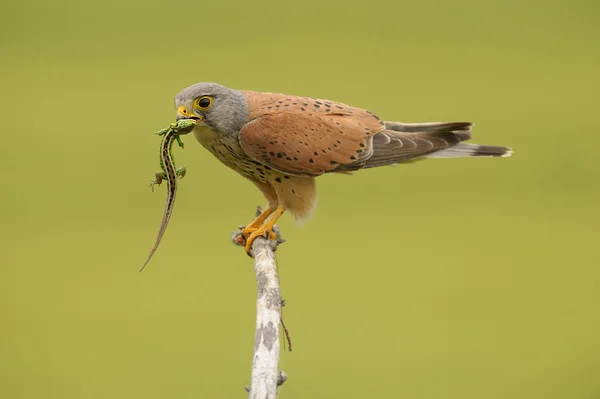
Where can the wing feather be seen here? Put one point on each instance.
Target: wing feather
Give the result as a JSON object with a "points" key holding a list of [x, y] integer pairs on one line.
{"points": [[307, 136]]}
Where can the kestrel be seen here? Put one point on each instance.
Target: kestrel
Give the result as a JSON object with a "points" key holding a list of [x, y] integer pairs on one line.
{"points": [[282, 142]]}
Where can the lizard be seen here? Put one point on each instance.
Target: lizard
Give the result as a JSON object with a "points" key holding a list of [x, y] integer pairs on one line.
{"points": [[169, 172]]}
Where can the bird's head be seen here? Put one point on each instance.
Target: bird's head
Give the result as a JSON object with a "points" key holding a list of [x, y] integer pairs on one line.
{"points": [[222, 109]]}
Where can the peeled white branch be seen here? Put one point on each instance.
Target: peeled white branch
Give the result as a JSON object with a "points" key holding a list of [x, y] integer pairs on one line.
{"points": [[265, 374]]}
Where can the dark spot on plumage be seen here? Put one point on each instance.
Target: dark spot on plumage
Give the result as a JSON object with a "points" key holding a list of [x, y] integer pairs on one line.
{"points": [[306, 144], [293, 192], [363, 145], [323, 151], [333, 162], [316, 153], [259, 170], [279, 155], [297, 151], [286, 105], [288, 158], [278, 179], [329, 148], [352, 158], [338, 141], [311, 160], [318, 103], [305, 104], [295, 158], [294, 103], [317, 106], [335, 145], [328, 110], [302, 109], [280, 102], [286, 177], [272, 153], [359, 151], [327, 104], [340, 107]]}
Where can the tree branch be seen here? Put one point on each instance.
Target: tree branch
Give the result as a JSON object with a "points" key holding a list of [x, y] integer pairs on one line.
{"points": [[265, 375]]}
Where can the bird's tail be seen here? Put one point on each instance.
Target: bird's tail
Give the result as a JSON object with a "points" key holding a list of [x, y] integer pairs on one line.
{"points": [[461, 150], [452, 133]]}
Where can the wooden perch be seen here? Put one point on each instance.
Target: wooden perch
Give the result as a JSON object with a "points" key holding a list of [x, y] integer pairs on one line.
{"points": [[265, 374]]}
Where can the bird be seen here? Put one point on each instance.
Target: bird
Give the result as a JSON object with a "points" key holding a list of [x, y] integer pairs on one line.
{"points": [[282, 143]]}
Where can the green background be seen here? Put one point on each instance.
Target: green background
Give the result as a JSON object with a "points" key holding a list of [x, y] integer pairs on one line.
{"points": [[468, 278]]}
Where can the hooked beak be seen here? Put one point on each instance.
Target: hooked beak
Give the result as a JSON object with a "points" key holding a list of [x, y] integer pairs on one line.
{"points": [[183, 113]]}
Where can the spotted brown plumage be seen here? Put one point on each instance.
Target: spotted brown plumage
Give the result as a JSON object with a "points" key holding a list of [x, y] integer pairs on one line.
{"points": [[282, 142], [306, 136]]}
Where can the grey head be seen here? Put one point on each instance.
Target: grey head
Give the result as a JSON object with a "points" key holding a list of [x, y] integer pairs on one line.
{"points": [[223, 109]]}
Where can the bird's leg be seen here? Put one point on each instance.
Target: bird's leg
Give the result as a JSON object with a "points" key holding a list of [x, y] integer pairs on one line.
{"points": [[265, 229], [257, 222]]}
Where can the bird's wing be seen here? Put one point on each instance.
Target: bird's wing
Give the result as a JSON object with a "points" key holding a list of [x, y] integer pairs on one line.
{"points": [[307, 136]]}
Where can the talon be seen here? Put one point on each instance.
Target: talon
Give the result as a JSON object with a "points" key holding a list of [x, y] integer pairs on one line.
{"points": [[261, 232], [262, 226]]}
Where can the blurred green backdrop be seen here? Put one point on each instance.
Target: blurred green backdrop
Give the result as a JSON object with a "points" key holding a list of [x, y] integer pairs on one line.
{"points": [[471, 278]]}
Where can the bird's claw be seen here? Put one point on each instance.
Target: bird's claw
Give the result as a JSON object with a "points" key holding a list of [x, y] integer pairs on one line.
{"points": [[249, 235]]}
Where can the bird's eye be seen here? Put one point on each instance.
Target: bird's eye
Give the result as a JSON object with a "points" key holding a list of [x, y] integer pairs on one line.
{"points": [[203, 103]]}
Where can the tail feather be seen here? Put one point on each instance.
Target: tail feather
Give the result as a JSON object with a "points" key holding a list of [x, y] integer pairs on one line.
{"points": [[407, 142], [471, 150], [455, 127]]}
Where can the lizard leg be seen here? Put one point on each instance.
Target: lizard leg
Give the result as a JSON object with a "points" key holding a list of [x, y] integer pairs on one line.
{"points": [[265, 230], [180, 172], [164, 131], [179, 142], [158, 178]]}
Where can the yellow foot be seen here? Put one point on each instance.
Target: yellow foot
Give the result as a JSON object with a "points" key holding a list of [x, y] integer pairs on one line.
{"points": [[265, 230], [256, 223], [260, 232]]}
